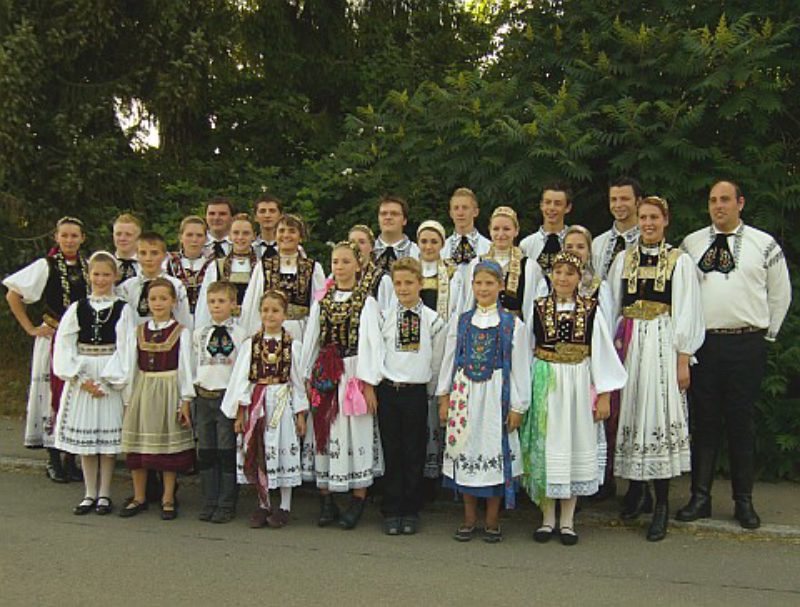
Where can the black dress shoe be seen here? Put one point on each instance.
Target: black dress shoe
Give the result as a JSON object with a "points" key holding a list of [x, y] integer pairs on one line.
{"points": [[699, 506], [132, 508], [352, 515], [543, 534], [639, 502], [658, 526], [85, 507], [328, 510], [169, 511], [104, 505], [55, 474], [746, 514]]}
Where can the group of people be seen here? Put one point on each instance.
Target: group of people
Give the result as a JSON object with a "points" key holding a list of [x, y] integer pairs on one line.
{"points": [[554, 366]]}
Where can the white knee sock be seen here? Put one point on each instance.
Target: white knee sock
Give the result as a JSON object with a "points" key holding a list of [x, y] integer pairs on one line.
{"points": [[106, 474], [549, 513], [89, 465], [286, 498], [568, 512]]}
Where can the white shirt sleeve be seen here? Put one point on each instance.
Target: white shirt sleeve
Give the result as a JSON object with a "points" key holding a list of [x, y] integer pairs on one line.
{"points": [[520, 369], [371, 349], [202, 317], [438, 338], [239, 389], [250, 318], [310, 342], [299, 396], [185, 378], [67, 363], [118, 370], [29, 282], [779, 293], [446, 370], [386, 295], [687, 307], [608, 372]]}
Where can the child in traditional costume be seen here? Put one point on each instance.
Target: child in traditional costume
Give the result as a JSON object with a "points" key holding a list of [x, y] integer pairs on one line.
{"points": [[156, 432], [93, 355], [289, 271], [59, 279], [484, 389], [563, 443], [267, 397], [377, 282], [342, 450], [216, 348], [656, 286]]}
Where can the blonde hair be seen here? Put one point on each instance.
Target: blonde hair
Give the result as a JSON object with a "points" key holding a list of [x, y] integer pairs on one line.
{"points": [[128, 218], [104, 257], [294, 221], [222, 286], [190, 220], [364, 229], [507, 212], [407, 264], [464, 193], [277, 295]]}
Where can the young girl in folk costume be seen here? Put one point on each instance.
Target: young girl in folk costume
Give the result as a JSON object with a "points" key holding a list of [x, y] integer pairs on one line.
{"points": [[237, 267], [189, 265], [521, 277], [93, 356], [656, 287], [267, 397], [484, 389], [296, 275], [563, 444], [156, 432], [342, 449], [59, 279], [377, 282], [441, 292]]}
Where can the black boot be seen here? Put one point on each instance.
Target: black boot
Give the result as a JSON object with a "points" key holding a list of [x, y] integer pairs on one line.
{"points": [[54, 469], [699, 506], [607, 490], [353, 513], [71, 468], [328, 510], [658, 526], [638, 501], [745, 513]]}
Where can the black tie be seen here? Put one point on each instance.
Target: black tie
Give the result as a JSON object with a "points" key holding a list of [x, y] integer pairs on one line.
{"points": [[619, 246], [386, 259], [220, 341], [718, 257], [127, 269], [219, 249], [270, 250], [142, 307], [551, 248], [464, 252]]}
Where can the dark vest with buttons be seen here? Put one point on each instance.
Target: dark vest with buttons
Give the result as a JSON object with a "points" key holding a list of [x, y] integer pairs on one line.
{"points": [[108, 330], [513, 303], [53, 295], [570, 327], [645, 290]]}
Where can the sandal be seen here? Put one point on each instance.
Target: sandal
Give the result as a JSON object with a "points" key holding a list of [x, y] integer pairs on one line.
{"points": [[568, 536], [104, 505], [492, 536], [85, 507], [132, 508], [464, 533], [544, 534], [168, 511]]}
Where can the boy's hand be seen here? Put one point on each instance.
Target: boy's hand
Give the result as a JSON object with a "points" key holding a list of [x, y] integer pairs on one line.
{"points": [[238, 425], [444, 406], [684, 377], [372, 400], [184, 415], [300, 424], [514, 420], [602, 408]]}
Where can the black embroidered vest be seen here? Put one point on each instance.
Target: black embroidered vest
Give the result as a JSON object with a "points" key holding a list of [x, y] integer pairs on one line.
{"points": [[53, 294], [102, 332]]}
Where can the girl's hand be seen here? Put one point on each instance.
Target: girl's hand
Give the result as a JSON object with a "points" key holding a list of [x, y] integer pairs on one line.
{"points": [[372, 400], [238, 425], [602, 409], [300, 424], [42, 330], [684, 377], [184, 416], [513, 421], [444, 406]]}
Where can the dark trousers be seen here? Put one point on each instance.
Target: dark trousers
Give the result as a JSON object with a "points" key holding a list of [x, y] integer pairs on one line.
{"points": [[725, 385], [216, 452], [403, 421]]}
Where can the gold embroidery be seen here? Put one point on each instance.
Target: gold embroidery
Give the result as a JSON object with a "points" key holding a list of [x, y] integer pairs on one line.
{"points": [[165, 346], [512, 271], [563, 353]]}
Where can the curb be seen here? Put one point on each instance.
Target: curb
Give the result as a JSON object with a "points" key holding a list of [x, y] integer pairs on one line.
{"points": [[716, 527]]}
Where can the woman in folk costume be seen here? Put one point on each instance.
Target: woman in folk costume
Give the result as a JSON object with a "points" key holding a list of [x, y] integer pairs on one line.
{"points": [[236, 267], [342, 450], [290, 271], [522, 278], [484, 391], [562, 437], [59, 279], [441, 292], [378, 283], [189, 265], [93, 356], [267, 397], [656, 287], [156, 431]]}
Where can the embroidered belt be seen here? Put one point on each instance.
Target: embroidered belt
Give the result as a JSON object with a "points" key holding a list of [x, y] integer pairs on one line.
{"points": [[50, 321], [645, 310], [297, 312], [736, 331], [211, 394], [96, 349], [570, 354]]}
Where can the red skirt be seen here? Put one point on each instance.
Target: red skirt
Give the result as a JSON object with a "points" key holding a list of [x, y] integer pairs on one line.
{"points": [[183, 461]]}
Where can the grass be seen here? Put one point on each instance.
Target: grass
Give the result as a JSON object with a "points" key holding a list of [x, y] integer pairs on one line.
{"points": [[15, 360]]}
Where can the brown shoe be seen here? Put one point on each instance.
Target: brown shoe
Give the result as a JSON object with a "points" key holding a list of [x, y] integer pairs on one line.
{"points": [[278, 519], [259, 518]]}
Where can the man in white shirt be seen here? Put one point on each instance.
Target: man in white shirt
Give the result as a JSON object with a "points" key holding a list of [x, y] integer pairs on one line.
{"points": [[219, 217], [543, 245], [746, 294], [465, 243], [392, 244], [624, 196]]}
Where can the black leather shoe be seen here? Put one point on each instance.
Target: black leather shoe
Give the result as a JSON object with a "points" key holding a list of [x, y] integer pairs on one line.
{"points": [[658, 526], [104, 505], [74, 473], [607, 490], [85, 507], [352, 515], [746, 514], [639, 502], [132, 508], [55, 474], [328, 510], [699, 506]]}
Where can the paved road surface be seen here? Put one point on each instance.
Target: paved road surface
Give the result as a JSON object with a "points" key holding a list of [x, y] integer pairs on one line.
{"points": [[51, 557]]}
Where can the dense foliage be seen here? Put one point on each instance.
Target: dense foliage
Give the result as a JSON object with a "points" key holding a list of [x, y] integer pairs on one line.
{"points": [[328, 103]]}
